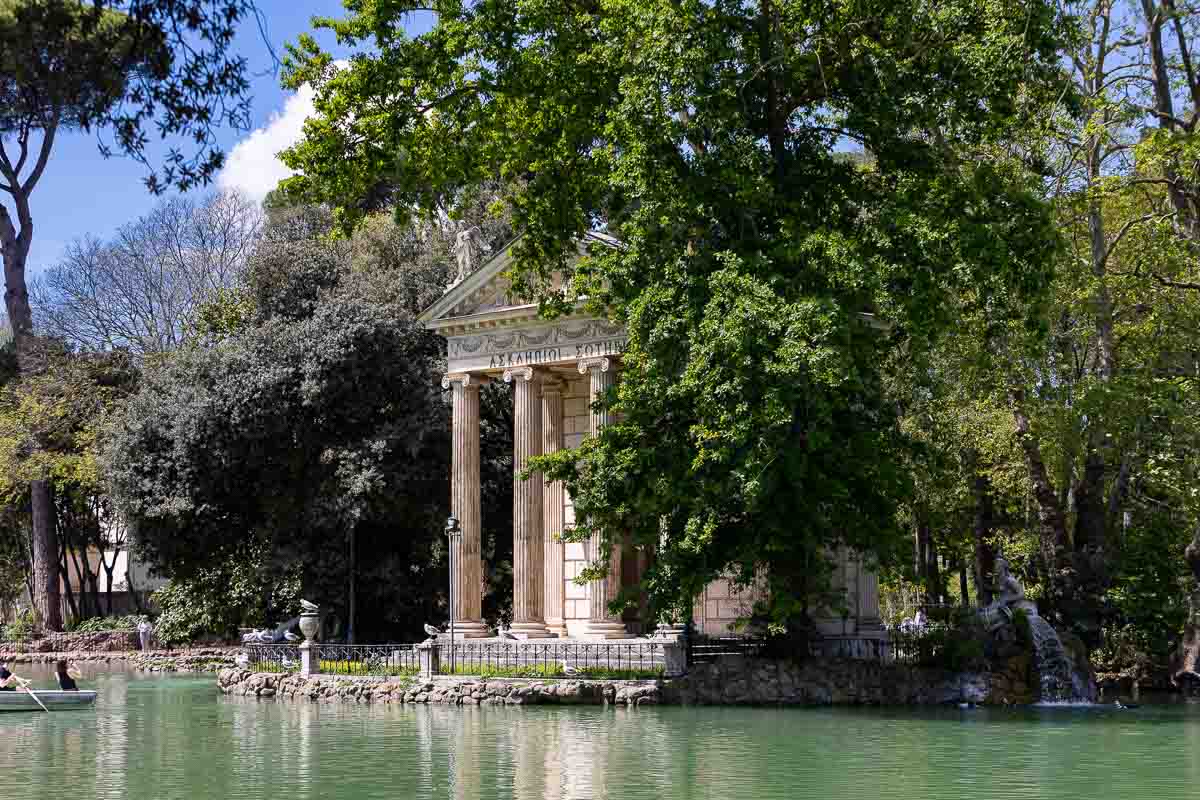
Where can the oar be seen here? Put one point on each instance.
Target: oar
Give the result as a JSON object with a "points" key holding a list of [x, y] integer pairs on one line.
{"points": [[33, 694]]}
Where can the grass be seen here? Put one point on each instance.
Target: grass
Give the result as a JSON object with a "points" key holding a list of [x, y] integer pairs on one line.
{"points": [[342, 667], [473, 669]]}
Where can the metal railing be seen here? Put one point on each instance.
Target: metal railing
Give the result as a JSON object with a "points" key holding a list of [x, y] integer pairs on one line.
{"points": [[702, 649], [272, 657], [912, 646], [641, 659], [366, 659]]}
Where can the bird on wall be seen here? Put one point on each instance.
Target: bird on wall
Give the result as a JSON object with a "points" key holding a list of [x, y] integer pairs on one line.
{"points": [[505, 633], [432, 631], [309, 608], [291, 637]]}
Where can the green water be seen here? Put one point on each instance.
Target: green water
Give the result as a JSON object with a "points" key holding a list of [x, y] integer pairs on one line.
{"points": [[175, 737]]}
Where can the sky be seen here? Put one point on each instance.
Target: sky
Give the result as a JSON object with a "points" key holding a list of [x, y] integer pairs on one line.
{"points": [[82, 193]]}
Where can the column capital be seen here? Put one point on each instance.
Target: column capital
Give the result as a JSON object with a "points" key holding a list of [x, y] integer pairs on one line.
{"points": [[519, 373], [469, 380], [602, 364]]}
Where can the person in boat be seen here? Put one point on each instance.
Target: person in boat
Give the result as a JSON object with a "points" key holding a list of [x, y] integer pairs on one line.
{"points": [[8, 681], [66, 677]]}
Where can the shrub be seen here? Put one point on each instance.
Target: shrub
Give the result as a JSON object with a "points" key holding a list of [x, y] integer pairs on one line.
{"points": [[22, 628], [126, 623]]}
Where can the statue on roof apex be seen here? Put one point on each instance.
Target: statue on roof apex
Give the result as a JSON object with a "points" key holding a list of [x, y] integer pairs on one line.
{"points": [[469, 248]]}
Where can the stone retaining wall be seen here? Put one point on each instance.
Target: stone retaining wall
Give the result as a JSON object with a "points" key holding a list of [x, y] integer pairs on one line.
{"points": [[207, 659], [447, 690], [825, 682], [733, 681], [101, 642]]}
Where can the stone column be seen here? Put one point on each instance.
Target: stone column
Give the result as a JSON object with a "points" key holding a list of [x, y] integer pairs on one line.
{"points": [[467, 582], [553, 501], [528, 569], [601, 624], [869, 621]]}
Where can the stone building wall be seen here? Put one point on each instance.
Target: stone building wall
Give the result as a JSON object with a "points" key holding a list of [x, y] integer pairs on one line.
{"points": [[576, 421]]}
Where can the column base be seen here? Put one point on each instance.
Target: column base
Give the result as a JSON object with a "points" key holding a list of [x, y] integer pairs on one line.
{"points": [[529, 630], [597, 630], [468, 630], [557, 627]]}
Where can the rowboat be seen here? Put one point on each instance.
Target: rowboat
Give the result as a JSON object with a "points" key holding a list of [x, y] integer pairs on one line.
{"points": [[52, 699]]}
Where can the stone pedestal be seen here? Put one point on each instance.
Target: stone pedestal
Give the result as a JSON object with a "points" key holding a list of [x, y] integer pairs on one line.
{"points": [[428, 658], [528, 567], [467, 581], [309, 661]]}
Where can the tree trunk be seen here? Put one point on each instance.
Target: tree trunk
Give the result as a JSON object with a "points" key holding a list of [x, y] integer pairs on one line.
{"points": [[14, 250], [1049, 511], [47, 599], [985, 555], [962, 583], [64, 565], [353, 569]]}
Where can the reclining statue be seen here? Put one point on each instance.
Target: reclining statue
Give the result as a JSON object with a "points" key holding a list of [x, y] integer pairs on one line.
{"points": [[1010, 596]]}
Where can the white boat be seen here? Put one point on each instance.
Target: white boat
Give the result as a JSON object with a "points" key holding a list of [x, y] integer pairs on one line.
{"points": [[52, 699]]}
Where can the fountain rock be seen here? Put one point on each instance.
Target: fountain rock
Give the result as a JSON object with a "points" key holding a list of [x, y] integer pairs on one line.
{"points": [[1061, 672]]}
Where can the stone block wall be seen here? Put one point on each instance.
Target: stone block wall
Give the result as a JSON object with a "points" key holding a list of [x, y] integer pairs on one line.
{"points": [[576, 424], [104, 642]]}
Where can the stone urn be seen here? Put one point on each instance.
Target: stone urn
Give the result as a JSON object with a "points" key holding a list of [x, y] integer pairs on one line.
{"points": [[310, 625]]}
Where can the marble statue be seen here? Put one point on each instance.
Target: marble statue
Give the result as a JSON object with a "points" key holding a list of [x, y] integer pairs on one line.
{"points": [[468, 247], [1010, 596]]}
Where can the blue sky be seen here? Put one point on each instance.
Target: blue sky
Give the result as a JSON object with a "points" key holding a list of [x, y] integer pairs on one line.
{"points": [[82, 193]]}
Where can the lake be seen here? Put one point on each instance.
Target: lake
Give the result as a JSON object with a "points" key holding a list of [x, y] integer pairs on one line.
{"points": [[176, 737]]}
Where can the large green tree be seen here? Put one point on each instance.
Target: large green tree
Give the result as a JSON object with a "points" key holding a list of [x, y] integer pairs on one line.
{"points": [[128, 68], [764, 274], [310, 438]]}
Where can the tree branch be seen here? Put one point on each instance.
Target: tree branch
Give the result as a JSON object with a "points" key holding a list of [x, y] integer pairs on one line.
{"points": [[44, 153]]}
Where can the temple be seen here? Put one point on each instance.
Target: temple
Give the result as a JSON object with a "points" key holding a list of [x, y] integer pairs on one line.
{"points": [[557, 369]]}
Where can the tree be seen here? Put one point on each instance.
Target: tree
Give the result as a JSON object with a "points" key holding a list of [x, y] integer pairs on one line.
{"points": [[763, 274], [48, 427], [123, 67], [142, 290], [312, 439]]}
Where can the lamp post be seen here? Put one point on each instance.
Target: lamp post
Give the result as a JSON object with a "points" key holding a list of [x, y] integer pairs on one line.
{"points": [[453, 534]]}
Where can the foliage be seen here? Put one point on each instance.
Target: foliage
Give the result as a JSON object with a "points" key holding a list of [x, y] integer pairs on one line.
{"points": [[125, 66], [218, 600], [22, 628], [314, 429], [127, 623], [709, 138]]}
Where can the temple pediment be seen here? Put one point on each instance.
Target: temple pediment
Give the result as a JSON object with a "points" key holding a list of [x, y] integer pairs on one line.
{"points": [[481, 294], [488, 329]]}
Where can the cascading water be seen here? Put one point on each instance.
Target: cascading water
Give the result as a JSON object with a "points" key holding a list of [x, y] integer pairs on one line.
{"points": [[1061, 681]]}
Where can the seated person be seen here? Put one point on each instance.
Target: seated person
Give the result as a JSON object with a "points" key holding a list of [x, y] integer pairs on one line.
{"points": [[8, 681], [66, 677]]}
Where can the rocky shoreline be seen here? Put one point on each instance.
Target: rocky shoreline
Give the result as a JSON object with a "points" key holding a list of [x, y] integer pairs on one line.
{"points": [[727, 682], [201, 659]]}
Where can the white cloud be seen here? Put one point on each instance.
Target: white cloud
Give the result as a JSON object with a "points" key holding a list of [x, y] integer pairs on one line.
{"points": [[253, 166]]}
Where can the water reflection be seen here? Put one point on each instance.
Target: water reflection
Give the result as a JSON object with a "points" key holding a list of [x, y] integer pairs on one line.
{"points": [[166, 738]]}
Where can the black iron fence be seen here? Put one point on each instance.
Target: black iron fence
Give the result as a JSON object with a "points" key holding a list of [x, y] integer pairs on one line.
{"points": [[640, 659], [272, 657], [366, 659], [702, 649], [912, 646]]}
